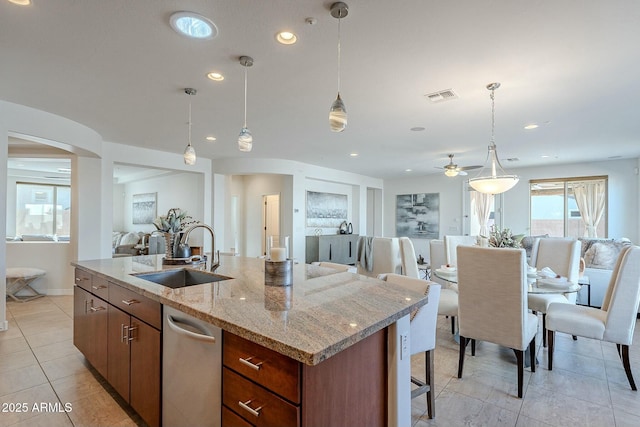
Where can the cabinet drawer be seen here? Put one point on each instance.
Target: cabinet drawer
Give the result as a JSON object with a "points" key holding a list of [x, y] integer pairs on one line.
{"points": [[256, 404], [231, 419], [100, 287], [141, 307], [268, 368], [83, 279]]}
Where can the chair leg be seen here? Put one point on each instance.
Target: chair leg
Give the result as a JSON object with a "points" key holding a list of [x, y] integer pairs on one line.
{"points": [[627, 366], [520, 358], [453, 324], [473, 347], [544, 329], [532, 353], [619, 352], [552, 337], [575, 337], [463, 346], [429, 376]]}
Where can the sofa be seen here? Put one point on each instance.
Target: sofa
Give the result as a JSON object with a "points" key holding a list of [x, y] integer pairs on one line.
{"points": [[599, 257], [124, 243]]}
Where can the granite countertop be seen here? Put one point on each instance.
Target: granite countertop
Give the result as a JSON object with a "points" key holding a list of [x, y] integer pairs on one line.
{"points": [[321, 314]]}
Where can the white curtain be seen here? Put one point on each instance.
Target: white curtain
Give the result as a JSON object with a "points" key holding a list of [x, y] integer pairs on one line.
{"points": [[590, 201], [482, 207]]}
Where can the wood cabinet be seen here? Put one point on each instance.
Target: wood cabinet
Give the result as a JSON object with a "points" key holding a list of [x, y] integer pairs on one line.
{"points": [[338, 248], [264, 388], [120, 336], [134, 363], [90, 328]]}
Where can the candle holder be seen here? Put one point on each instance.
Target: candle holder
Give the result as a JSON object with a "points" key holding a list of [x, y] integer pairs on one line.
{"points": [[278, 273], [277, 248]]}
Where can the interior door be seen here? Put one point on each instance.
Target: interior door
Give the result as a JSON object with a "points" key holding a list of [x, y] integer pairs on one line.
{"points": [[271, 219]]}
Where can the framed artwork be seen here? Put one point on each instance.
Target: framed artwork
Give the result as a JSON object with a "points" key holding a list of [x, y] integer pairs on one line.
{"points": [[325, 210], [418, 215], [143, 209]]}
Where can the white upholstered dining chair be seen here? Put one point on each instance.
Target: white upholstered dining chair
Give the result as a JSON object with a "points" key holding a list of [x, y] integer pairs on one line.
{"points": [[563, 257], [408, 258], [492, 303], [385, 257], [614, 322], [422, 333], [452, 242], [448, 305]]}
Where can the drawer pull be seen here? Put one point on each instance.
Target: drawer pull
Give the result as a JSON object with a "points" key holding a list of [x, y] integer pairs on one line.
{"points": [[80, 279], [97, 288], [247, 362], [95, 309], [246, 407], [131, 301]]}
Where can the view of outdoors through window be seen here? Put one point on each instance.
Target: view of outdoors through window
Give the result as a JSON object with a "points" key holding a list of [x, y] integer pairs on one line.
{"points": [[43, 209], [556, 211]]}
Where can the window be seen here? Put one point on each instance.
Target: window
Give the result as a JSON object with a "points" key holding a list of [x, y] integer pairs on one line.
{"points": [[43, 209], [569, 207]]}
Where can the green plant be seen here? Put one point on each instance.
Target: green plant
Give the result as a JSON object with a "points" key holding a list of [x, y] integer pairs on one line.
{"points": [[504, 238], [174, 221]]}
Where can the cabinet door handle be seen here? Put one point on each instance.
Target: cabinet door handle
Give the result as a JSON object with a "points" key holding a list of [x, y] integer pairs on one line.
{"points": [[96, 309], [131, 301], [252, 365], [246, 407], [97, 288], [130, 336], [329, 251], [85, 306], [350, 248], [123, 332]]}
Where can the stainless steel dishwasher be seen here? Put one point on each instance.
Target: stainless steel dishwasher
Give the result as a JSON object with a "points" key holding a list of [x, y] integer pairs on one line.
{"points": [[191, 371]]}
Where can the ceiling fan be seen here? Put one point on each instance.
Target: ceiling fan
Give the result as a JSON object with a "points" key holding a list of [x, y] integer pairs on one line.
{"points": [[453, 170]]}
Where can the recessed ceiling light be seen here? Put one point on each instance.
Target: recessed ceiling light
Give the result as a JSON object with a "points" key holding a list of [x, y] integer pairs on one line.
{"points": [[210, 138], [531, 126], [193, 25], [545, 156], [354, 154], [21, 2], [216, 77], [417, 129], [286, 37], [408, 170]]}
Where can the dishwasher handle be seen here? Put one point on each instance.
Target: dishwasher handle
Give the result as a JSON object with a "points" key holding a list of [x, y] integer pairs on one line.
{"points": [[177, 329]]}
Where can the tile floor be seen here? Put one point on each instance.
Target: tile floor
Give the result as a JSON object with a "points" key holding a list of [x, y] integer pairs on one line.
{"points": [[588, 387]]}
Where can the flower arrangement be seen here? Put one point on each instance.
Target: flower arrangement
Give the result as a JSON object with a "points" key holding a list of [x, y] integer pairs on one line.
{"points": [[504, 238], [174, 221]]}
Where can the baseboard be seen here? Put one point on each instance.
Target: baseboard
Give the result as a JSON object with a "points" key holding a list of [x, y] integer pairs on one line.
{"points": [[4, 326]]}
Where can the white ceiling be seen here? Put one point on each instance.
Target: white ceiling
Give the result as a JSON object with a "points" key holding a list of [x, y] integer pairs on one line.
{"points": [[117, 67]]}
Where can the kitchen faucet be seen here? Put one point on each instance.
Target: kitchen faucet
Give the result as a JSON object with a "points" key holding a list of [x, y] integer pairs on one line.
{"points": [[215, 263]]}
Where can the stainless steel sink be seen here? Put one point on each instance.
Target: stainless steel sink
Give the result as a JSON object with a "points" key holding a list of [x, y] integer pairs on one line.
{"points": [[181, 277]]}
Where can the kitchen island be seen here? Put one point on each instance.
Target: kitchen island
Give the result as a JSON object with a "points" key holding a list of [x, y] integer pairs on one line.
{"points": [[345, 332]]}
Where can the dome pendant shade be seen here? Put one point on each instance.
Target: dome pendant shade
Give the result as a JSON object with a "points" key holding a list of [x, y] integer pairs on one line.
{"points": [[338, 115], [245, 140], [495, 180]]}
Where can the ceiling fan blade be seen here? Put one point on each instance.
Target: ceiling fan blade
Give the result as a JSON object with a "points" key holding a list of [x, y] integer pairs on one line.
{"points": [[468, 168]]}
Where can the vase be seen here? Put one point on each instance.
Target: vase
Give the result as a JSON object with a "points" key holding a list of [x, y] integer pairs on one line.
{"points": [[169, 244]]}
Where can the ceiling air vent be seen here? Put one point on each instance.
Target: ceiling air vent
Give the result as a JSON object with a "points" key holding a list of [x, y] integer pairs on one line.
{"points": [[443, 95]]}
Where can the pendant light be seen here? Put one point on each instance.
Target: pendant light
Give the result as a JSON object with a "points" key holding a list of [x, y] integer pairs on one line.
{"points": [[189, 151], [492, 178], [245, 139], [338, 112]]}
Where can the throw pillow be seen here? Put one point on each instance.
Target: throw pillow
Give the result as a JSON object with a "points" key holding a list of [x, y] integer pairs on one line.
{"points": [[130, 239], [602, 255]]}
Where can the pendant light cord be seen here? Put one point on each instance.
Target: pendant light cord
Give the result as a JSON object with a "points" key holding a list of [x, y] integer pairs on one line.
{"points": [[493, 117], [339, 19], [245, 96], [189, 122]]}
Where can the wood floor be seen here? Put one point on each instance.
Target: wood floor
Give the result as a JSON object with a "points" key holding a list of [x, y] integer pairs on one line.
{"points": [[587, 387]]}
